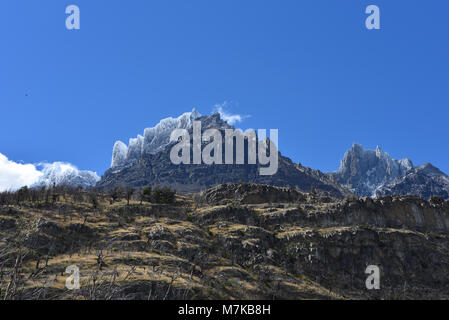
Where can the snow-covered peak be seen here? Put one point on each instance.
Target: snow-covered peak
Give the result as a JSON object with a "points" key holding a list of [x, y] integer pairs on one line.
{"points": [[60, 173], [154, 139], [157, 137], [135, 148], [364, 171], [406, 163], [119, 153]]}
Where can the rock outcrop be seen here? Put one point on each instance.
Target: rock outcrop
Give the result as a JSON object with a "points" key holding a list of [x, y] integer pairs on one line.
{"points": [[425, 180], [246, 193]]}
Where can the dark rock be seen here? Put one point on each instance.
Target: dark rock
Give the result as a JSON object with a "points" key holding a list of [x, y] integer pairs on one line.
{"points": [[130, 237], [6, 224], [246, 193]]}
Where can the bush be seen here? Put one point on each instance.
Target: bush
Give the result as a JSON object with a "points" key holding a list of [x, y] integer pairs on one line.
{"points": [[116, 193], [22, 194], [437, 199], [145, 194], [351, 198], [164, 195], [93, 200]]}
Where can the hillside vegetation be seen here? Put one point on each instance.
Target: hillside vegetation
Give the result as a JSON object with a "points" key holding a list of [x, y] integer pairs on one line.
{"points": [[234, 241]]}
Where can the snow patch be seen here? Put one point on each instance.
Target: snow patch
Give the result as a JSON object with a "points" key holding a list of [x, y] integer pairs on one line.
{"points": [[60, 173]]}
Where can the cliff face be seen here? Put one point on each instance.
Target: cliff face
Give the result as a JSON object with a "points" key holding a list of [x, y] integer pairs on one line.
{"points": [[412, 265], [398, 212], [332, 241], [412, 213]]}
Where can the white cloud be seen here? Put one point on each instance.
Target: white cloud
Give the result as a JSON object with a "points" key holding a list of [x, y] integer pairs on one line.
{"points": [[229, 118], [14, 175]]}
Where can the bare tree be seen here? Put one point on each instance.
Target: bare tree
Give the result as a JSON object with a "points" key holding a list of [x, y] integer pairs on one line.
{"points": [[129, 193]]}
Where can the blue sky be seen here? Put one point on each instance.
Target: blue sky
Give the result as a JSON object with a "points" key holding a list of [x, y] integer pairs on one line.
{"points": [[309, 68]]}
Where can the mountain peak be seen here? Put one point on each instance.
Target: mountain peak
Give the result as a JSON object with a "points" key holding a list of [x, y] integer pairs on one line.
{"points": [[380, 153], [195, 114], [374, 172], [364, 171], [154, 166], [153, 140], [356, 148], [60, 173], [119, 153]]}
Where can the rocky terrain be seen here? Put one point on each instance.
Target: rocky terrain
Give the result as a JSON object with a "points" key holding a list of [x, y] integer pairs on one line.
{"points": [[425, 180], [234, 241]]}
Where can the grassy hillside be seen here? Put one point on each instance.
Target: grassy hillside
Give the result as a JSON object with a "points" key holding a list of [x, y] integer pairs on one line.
{"points": [[194, 249]]}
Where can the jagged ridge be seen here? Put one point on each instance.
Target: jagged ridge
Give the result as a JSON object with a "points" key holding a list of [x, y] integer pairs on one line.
{"points": [[374, 173]]}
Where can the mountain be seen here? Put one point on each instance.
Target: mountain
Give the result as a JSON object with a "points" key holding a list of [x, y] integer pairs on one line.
{"points": [[59, 173], [374, 172], [146, 161], [425, 180]]}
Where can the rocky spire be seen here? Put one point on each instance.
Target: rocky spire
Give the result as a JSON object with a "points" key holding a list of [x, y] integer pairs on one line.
{"points": [[152, 141]]}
